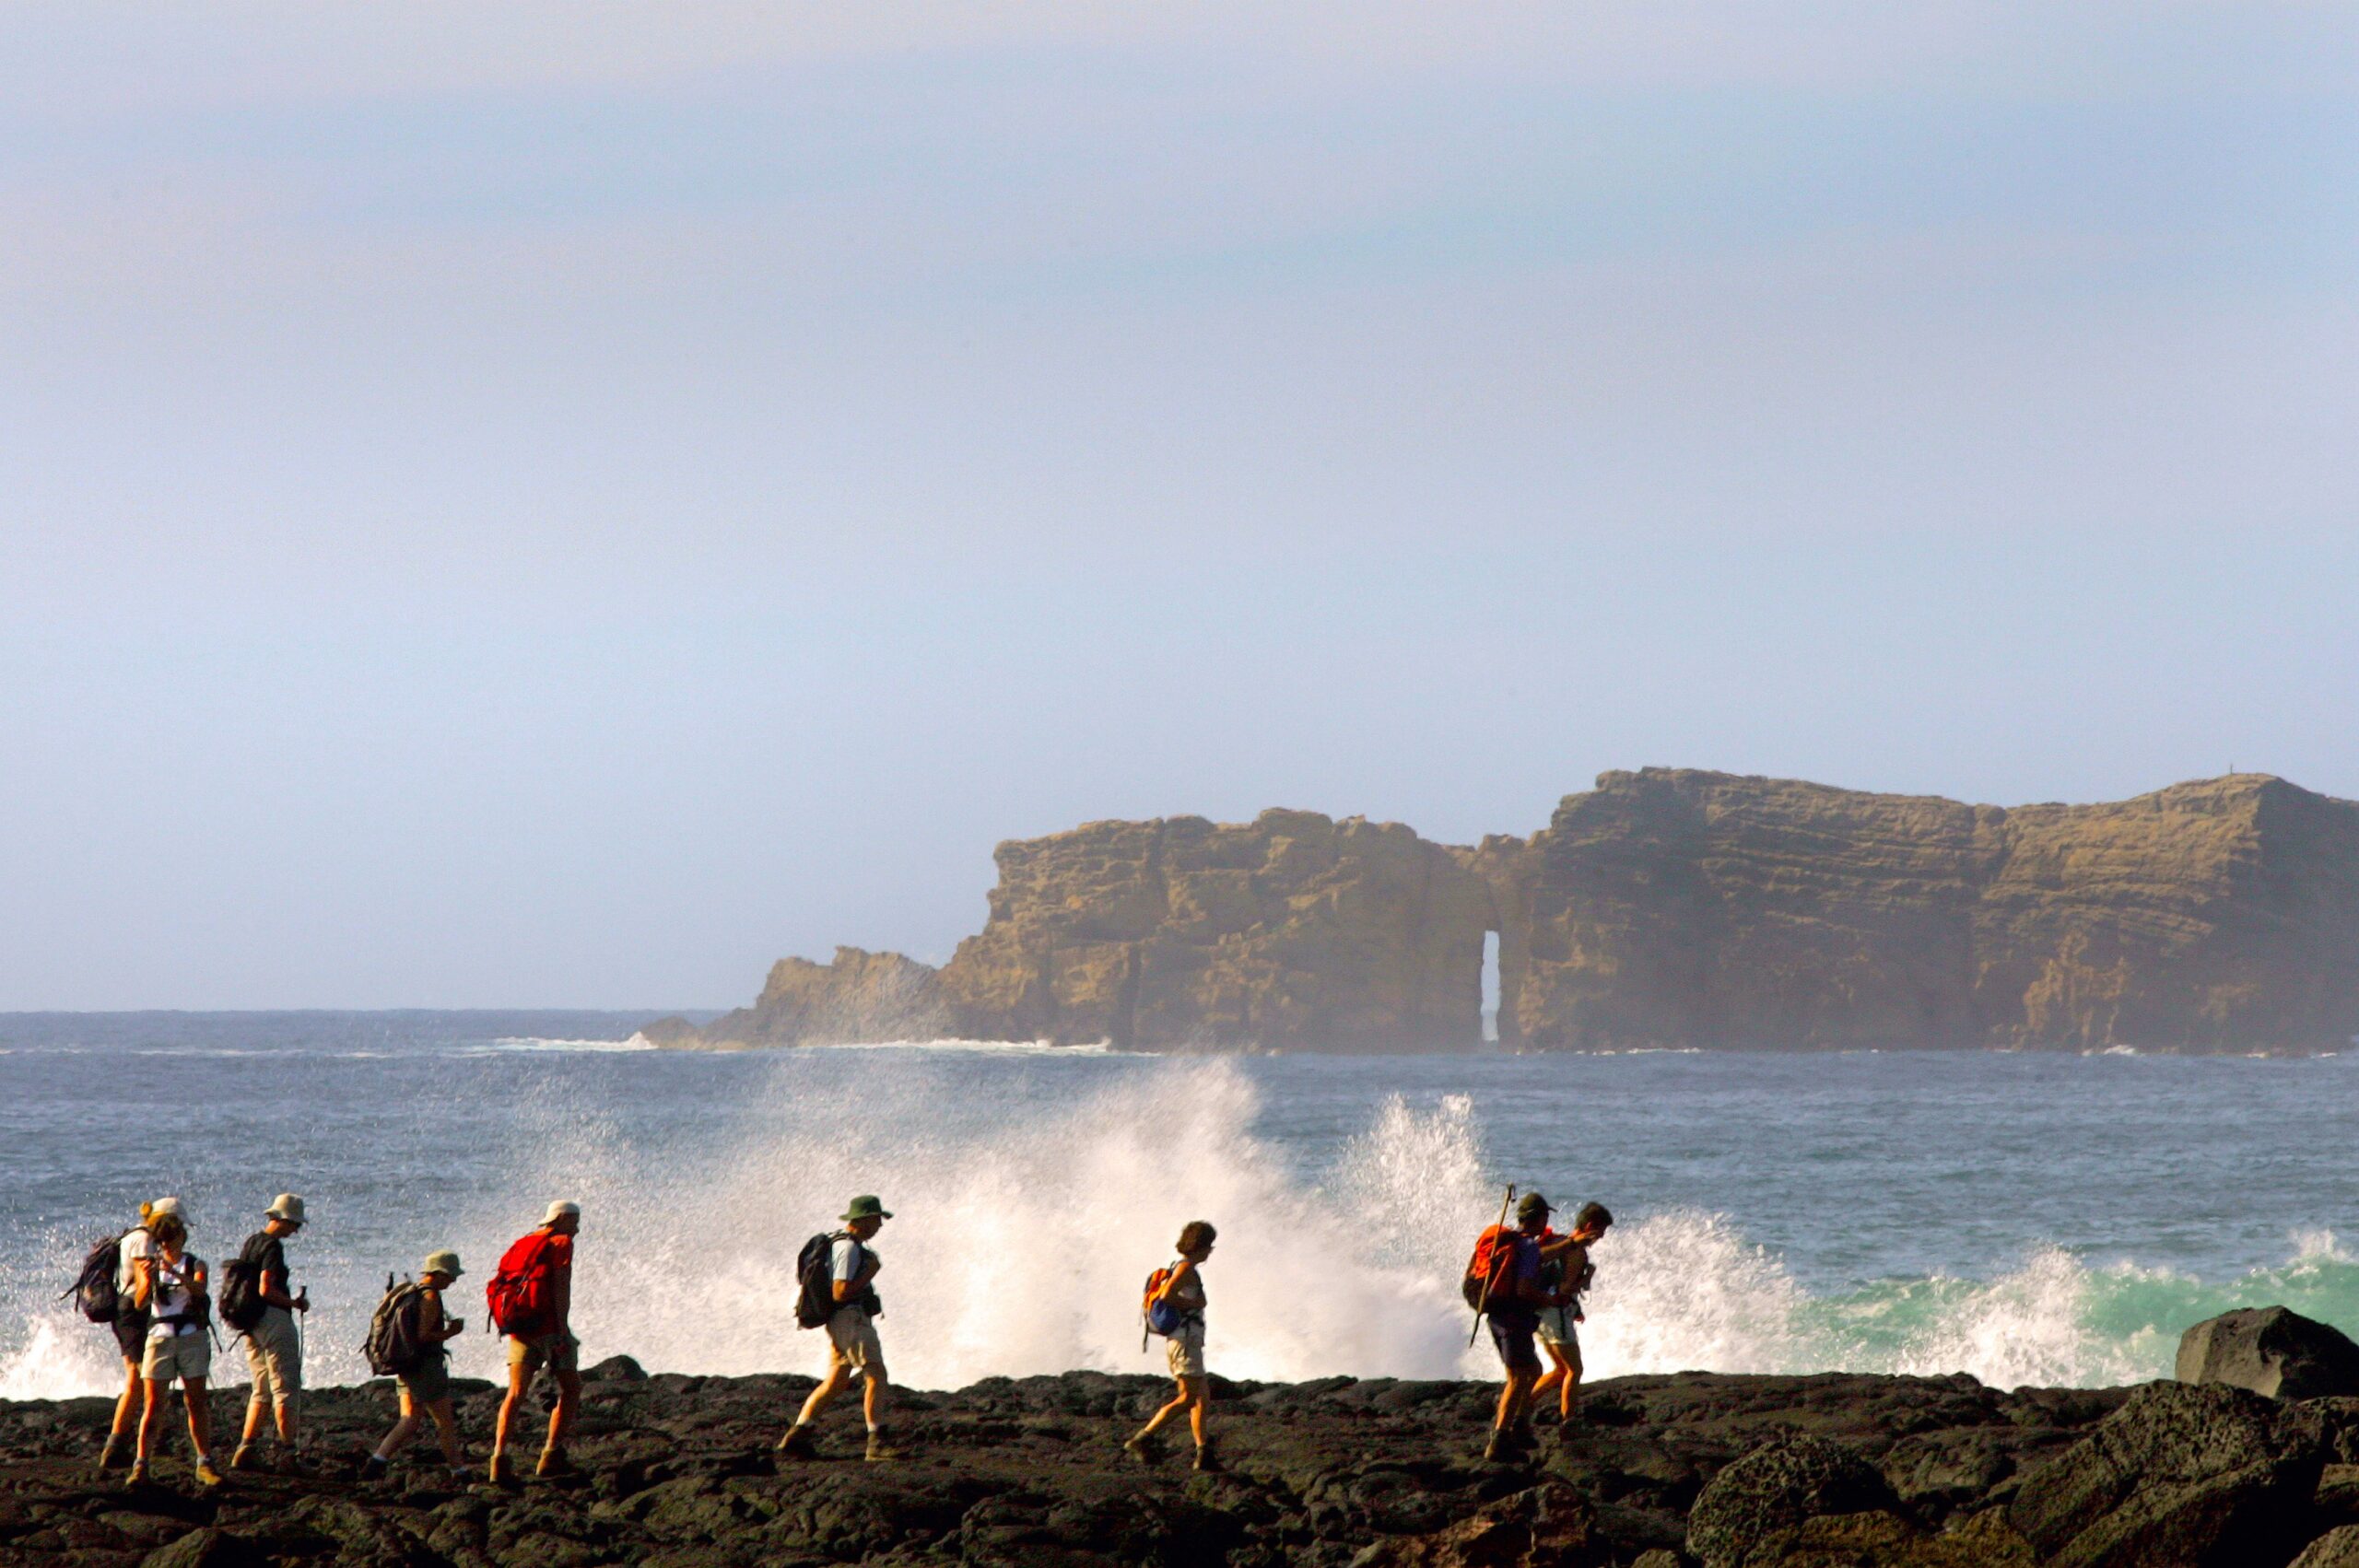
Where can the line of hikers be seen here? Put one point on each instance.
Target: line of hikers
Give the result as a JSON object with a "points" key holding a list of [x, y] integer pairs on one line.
{"points": [[160, 1300]]}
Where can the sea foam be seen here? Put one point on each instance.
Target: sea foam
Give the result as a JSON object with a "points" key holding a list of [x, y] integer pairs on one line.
{"points": [[1022, 1235]]}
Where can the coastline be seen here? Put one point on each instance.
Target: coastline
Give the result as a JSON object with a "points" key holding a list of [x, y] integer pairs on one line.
{"points": [[1337, 1473]]}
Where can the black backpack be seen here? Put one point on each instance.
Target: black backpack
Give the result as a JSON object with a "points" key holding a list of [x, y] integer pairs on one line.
{"points": [[240, 1296], [391, 1346], [814, 1294], [94, 1289]]}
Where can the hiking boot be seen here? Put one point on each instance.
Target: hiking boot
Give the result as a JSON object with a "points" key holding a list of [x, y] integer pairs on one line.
{"points": [[206, 1474], [880, 1450], [138, 1476], [1207, 1462], [796, 1444], [501, 1470], [373, 1468], [1501, 1447], [1144, 1446], [554, 1463], [244, 1458], [116, 1455]]}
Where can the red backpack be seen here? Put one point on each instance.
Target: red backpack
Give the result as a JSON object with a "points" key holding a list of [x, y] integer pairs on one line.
{"points": [[522, 1297], [1491, 1259]]}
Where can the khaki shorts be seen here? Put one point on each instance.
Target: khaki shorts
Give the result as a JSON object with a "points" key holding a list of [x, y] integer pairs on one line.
{"points": [[177, 1355], [275, 1356], [853, 1342], [429, 1380], [558, 1352], [1184, 1352], [1557, 1328]]}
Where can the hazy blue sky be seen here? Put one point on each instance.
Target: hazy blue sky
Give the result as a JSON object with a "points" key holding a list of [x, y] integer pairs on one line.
{"points": [[565, 505]]}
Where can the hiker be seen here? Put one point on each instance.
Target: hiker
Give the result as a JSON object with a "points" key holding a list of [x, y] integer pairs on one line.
{"points": [[531, 1297], [256, 1302], [113, 1282], [1180, 1291], [170, 1285], [425, 1383], [1565, 1272], [1505, 1278], [840, 1293]]}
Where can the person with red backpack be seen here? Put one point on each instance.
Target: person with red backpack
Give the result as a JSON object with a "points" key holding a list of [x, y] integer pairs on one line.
{"points": [[530, 1298], [1504, 1282]]}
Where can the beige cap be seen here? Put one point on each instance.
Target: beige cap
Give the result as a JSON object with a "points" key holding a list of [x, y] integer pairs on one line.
{"points": [[562, 1209], [163, 1206], [288, 1207], [442, 1263]]}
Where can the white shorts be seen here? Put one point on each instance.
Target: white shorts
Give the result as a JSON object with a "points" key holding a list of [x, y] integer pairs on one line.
{"points": [[1556, 1328]]}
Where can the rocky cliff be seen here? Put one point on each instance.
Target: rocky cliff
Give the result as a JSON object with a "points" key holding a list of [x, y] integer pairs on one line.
{"points": [[1292, 931], [1663, 908], [1679, 908]]}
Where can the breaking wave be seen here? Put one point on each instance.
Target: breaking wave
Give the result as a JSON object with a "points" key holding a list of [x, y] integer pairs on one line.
{"points": [[1023, 1231]]}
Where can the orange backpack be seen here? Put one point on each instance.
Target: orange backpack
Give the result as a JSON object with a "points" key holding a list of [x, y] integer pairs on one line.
{"points": [[1490, 1260], [1162, 1317]]}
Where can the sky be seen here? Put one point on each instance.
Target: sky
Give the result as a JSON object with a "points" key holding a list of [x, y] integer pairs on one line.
{"points": [[561, 505]]}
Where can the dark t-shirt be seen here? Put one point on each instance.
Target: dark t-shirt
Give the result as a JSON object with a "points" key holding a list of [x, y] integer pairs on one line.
{"points": [[1509, 1308], [263, 1249]]}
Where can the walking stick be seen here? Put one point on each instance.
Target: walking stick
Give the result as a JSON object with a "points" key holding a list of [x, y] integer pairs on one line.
{"points": [[1484, 1304]]}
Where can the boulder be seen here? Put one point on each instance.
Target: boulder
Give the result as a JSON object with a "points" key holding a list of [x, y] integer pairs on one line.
{"points": [[1887, 1540], [1776, 1486], [2196, 1477], [2270, 1351], [1549, 1526], [2336, 1548]]}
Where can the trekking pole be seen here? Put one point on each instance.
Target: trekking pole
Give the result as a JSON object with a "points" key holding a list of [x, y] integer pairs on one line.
{"points": [[1482, 1303]]}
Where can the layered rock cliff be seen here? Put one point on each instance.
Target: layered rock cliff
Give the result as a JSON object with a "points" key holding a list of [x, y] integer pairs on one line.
{"points": [[1664, 907], [1671, 907], [1293, 932]]}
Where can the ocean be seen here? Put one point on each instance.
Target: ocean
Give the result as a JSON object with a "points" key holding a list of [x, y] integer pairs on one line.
{"points": [[2024, 1218]]}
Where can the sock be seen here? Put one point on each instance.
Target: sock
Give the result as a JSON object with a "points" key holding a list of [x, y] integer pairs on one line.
{"points": [[874, 1429]]}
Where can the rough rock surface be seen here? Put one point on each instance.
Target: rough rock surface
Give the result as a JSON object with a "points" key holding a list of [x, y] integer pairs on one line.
{"points": [[677, 1472], [858, 997], [1293, 932], [2208, 1478], [1669, 906], [2270, 1351], [1666, 907], [1778, 1487]]}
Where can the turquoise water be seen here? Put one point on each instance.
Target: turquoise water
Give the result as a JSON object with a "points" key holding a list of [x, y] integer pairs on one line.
{"points": [[2025, 1218]]}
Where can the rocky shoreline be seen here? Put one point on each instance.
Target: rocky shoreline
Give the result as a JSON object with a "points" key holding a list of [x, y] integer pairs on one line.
{"points": [[1720, 1470]]}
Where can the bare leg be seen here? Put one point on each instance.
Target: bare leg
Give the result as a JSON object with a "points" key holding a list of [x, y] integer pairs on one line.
{"points": [[127, 1404], [446, 1426], [839, 1373], [397, 1439], [151, 1415], [1199, 1391], [568, 1400], [872, 1394], [200, 1415], [284, 1411], [520, 1383], [1178, 1401], [1513, 1396]]}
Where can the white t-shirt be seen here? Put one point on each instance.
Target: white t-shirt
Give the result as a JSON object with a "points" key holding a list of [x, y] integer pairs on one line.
{"points": [[170, 1301], [844, 1263], [135, 1245]]}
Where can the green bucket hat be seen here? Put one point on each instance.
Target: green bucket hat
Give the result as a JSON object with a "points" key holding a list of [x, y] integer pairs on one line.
{"points": [[442, 1263], [867, 1206], [1532, 1206]]}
